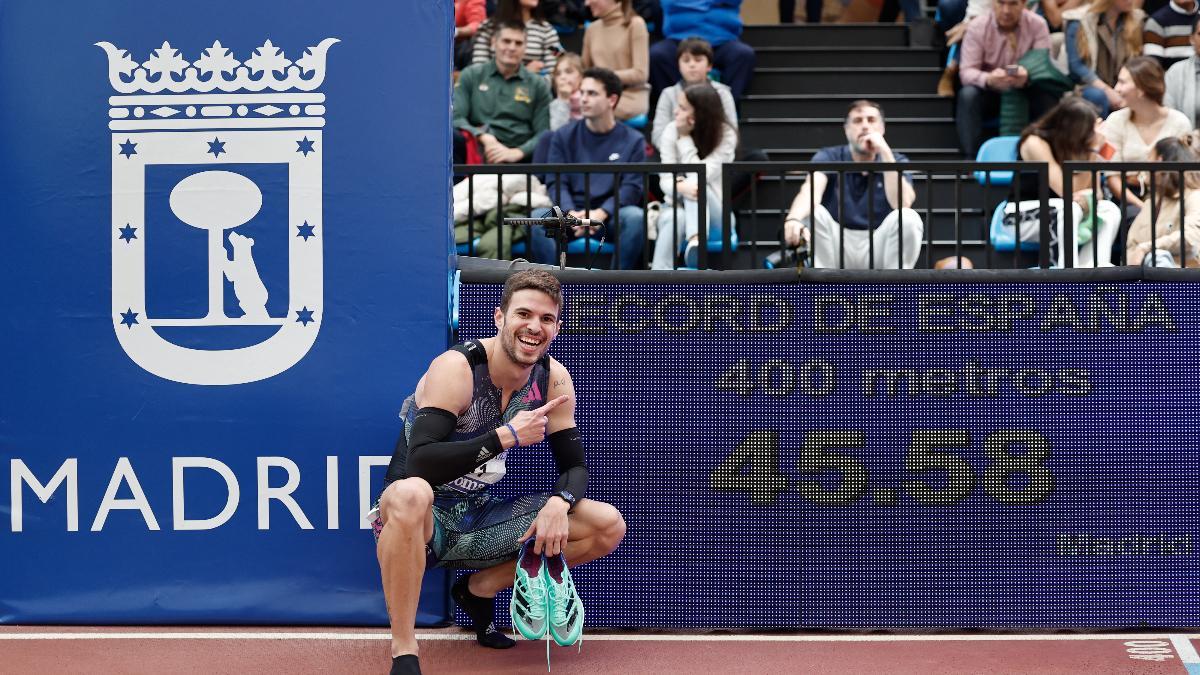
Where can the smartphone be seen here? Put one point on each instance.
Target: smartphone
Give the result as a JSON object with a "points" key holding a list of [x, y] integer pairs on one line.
{"points": [[1107, 150], [1012, 71]]}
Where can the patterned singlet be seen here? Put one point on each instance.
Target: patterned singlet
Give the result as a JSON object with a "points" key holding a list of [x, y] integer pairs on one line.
{"points": [[482, 416]]}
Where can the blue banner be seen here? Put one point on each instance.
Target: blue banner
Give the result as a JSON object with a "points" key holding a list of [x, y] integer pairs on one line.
{"points": [[907, 455], [226, 267]]}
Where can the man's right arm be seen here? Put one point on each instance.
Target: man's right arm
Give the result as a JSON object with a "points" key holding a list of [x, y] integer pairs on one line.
{"points": [[810, 194], [970, 61], [443, 394], [558, 187], [462, 101]]}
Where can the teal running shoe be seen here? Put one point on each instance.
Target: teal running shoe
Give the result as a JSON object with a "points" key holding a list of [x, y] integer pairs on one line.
{"points": [[566, 608], [529, 600]]}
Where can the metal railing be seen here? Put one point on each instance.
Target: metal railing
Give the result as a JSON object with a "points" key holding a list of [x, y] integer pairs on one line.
{"points": [[1155, 173], [955, 224], [930, 173], [562, 172]]}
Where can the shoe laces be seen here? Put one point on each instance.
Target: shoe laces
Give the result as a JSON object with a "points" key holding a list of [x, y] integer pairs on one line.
{"points": [[533, 588], [562, 600]]}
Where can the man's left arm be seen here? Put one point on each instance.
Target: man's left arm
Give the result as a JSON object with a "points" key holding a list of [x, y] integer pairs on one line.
{"points": [[894, 179], [1041, 33], [541, 117], [565, 442], [629, 192], [550, 529]]}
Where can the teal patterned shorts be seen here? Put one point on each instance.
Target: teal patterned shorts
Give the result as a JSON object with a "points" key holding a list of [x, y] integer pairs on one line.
{"points": [[475, 531]]}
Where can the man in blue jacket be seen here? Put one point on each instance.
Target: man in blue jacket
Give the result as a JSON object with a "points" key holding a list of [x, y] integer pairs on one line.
{"points": [[598, 139], [718, 22]]}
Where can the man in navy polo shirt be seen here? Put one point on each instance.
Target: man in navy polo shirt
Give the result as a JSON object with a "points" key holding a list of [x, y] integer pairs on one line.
{"points": [[598, 138], [873, 216]]}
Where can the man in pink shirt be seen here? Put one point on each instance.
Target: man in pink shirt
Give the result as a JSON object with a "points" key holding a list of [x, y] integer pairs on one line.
{"points": [[991, 47]]}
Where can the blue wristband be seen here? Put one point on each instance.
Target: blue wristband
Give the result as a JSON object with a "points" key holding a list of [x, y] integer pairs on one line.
{"points": [[516, 438]]}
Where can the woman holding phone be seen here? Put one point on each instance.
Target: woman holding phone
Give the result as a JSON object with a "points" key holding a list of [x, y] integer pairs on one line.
{"points": [[1071, 132]]}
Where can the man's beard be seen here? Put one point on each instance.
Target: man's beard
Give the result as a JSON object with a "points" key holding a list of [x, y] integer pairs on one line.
{"points": [[508, 342]]}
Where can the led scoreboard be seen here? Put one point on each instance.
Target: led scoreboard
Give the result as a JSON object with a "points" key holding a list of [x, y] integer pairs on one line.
{"points": [[884, 455]]}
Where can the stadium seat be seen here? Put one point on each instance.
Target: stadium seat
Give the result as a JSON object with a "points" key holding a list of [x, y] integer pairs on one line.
{"points": [[715, 243], [998, 149], [638, 121], [587, 244]]}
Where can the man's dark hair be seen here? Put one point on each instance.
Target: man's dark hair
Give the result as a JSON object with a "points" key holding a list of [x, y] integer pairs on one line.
{"points": [[865, 103], [696, 46], [511, 24], [537, 280], [612, 83]]}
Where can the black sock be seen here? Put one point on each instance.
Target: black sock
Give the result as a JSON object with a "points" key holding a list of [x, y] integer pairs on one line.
{"points": [[482, 612], [405, 664]]}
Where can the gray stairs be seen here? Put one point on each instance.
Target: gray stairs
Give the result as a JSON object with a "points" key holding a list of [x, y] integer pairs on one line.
{"points": [[807, 76]]}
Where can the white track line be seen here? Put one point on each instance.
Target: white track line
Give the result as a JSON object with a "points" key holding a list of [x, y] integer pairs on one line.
{"points": [[1184, 647], [1182, 642]]}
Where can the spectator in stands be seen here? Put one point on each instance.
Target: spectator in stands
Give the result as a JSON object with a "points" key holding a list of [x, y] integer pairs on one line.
{"points": [[720, 24], [954, 16], [1071, 132], [990, 51], [1140, 85], [695, 63], [1099, 39], [541, 40], [699, 133], [875, 206], [1163, 249], [500, 104], [565, 15], [1167, 34], [468, 14], [568, 74], [618, 41], [598, 139], [1181, 81]]}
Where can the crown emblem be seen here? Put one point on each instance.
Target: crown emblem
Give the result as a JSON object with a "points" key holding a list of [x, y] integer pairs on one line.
{"points": [[266, 90], [217, 166], [216, 69]]}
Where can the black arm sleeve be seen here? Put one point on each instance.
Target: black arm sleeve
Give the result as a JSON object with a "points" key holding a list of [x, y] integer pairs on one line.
{"points": [[568, 456], [439, 461]]}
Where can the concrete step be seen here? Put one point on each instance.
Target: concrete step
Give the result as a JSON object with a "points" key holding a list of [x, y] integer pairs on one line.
{"points": [[828, 34], [846, 56], [808, 132], [845, 80], [827, 105]]}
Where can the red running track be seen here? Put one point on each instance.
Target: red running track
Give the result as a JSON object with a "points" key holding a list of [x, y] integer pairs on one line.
{"points": [[191, 651]]}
